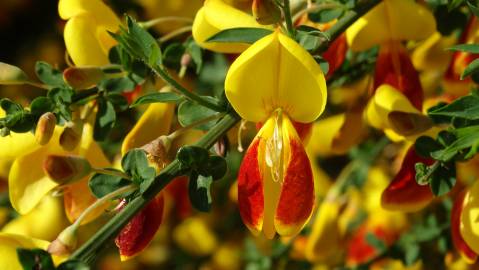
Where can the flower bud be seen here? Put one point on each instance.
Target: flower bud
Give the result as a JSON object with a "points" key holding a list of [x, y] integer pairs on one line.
{"points": [[65, 242], [83, 77], [71, 136], [266, 12], [157, 152], [45, 127], [10, 75], [66, 169]]}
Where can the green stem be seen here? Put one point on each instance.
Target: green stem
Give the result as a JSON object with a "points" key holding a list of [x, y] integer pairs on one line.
{"points": [[287, 18], [168, 19], [185, 92], [88, 251], [111, 172]]}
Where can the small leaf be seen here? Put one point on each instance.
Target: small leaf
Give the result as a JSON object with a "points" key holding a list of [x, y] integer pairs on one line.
{"points": [[165, 97], [466, 107], [217, 167], [473, 67], [135, 163], [196, 54], [190, 112], [9, 106], [41, 105], [443, 179], [34, 259], [240, 35], [117, 85], [48, 75], [310, 38], [466, 137], [474, 8], [105, 119], [471, 48], [199, 191], [326, 15], [103, 184], [193, 157], [10, 75], [425, 145], [118, 101], [453, 4]]}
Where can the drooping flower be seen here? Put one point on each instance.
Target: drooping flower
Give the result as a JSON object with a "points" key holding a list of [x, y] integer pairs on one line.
{"points": [[86, 31], [276, 82]]}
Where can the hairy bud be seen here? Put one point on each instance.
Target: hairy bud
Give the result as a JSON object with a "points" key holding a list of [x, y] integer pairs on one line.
{"points": [[83, 77], [66, 169], [71, 136], [45, 127], [10, 75], [266, 12], [65, 243], [157, 152]]}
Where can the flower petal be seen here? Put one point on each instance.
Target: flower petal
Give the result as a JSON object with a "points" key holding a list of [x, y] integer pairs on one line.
{"points": [[154, 122], [139, 232], [8, 248], [68, 9], [470, 218], [403, 193], [466, 252], [276, 72], [432, 53], [391, 20], [296, 201]]}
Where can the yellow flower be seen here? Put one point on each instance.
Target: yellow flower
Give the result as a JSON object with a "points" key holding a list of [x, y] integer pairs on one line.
{"points": [[194, 236], [86, 31], [276, 82], [8, 249], [218, 15]]}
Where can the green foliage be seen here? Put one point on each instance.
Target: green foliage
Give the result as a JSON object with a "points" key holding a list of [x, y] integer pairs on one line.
{"points": [[240, 35], [35, 259], [48, 75], [190, 112], [103, 184], [310, 38], [105, 119], [199, 191], [135, 164], [164, 97], [466, 107], [327, 14]]}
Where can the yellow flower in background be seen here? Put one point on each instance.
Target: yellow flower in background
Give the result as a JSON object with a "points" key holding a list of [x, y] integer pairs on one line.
{"points": [[391, 20], [275, 82], [431, 54], [86, 31], [195, 237], [218, 15]]}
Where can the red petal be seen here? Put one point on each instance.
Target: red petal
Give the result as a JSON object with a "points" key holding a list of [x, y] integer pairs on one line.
{"points": [[138, 233], [178, 191], [336, 54], [403, 193], [394, 67], [469, 255], [250, 189], [296, 201]]}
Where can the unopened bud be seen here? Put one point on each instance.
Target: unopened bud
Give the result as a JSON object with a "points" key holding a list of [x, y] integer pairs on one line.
{"points": [[83, 77], [4, 132], [65, 242], [45, 127], [185, 59], [71, 135], [66, 169], [10, 75], [266, 12], [157, 152]]}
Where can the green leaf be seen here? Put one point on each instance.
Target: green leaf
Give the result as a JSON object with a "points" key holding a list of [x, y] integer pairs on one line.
{"points": [[165, 97], [196, 54], [190, 112], [421, 172], [466, 137], [118, 101], [425, 145], [104, 184], [34, 259], [193, 157], [443, 179], [473, 67], [105, 119], [466, 107], [48, 75], [377, 243], [117, 85], [41, 105], [10, 75], [453, 4], [473, 7], [326, 15], [412, 253], [217, 167], [73, 265], [9, 106], [471, 48], [135, 163], [199, 191], [240, 35], [310, 38]]}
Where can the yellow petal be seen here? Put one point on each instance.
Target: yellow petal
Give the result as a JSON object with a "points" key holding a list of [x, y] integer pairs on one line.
{"points": [[154, 122], [432, 53], [469, 226], [391, 20], [8, 248], [276, 72], [102, 13], [17, 144], [216, 16]]}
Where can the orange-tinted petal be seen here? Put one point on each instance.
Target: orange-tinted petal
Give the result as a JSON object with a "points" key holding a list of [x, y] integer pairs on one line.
{"points": [[394, 67], [138, 233], [250, 189], [336, 54], [404, 193], [466, 252], [360, 251], [296, 201]]}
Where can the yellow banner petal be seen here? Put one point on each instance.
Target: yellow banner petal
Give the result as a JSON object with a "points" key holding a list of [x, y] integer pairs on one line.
{"points": [[8, 249], [276, 72]]}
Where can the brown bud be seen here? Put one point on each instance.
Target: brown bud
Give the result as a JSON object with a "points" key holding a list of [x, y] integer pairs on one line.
{"points": [[83, 77], [266, 12], [66, 169], [157, 152], [408, 124], [45, 127], [10, 75], [65, 243], [71, 136]]}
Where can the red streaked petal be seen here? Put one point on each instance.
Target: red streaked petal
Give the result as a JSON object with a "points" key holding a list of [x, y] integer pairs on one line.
{"points": [[403, 193], [394, 67], [303, 130], [466, 252], [336, 54], [296, 201], [178, 192], [250, 189], [138, 233]]}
